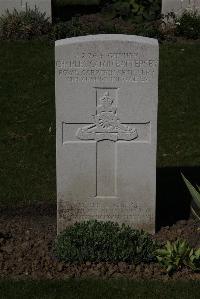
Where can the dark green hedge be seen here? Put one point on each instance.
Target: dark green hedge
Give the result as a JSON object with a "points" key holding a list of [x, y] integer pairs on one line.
{"points": [[98, 241]]}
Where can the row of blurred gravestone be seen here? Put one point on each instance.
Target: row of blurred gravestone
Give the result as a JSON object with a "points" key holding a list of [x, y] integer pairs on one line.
{"points": [[176, 6], [179, 6], [22, 5]]}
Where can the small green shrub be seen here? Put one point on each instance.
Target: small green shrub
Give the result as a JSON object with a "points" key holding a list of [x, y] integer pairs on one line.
{"points": [[23, 25], [98, 24], [150, 29], [137, 10], [174, 256], [90, 24], [188, 25], [67, 29], [98, 241]]}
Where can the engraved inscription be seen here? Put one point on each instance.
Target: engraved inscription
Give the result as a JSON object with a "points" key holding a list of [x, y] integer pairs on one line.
{"points": [[113, 67], [107, 124], [83, 211]]}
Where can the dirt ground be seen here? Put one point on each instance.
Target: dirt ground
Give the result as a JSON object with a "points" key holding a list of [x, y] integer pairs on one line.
{"points": [[27, 235]]}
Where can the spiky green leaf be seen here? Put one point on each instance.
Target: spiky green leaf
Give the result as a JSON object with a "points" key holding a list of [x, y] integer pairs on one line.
{"points": [[194, 193]]}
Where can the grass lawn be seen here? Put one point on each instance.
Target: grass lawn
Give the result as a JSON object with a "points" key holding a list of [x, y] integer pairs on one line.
{"points": [[27, 116], [90, 289]]}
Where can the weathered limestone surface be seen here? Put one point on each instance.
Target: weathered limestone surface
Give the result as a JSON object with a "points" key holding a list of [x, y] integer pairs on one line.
{"points": [[106, 115], [179, 6], [20, 5]]}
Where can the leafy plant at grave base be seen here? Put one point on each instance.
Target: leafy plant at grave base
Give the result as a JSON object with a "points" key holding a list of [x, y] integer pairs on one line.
{"points": [[172, 256], [24, 24], [188, 25], [98, 241], [175, 255], [195, 205], [137, 10], [194, 259]]}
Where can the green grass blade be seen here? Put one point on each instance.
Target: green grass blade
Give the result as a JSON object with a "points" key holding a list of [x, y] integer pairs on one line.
{"points": [[194, 193]]}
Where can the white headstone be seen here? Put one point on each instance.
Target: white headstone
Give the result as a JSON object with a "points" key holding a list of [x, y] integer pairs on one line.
{"points": [[106, 115], [9, 5], [20, 5], [42, 5], [179, 6]]}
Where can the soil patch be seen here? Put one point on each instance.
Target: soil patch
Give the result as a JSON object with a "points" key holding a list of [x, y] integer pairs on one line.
{"points": [[27, 235]]}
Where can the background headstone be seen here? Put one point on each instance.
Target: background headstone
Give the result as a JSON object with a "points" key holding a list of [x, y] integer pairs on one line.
{"points": [[179, 6], [106, 114], [20, 5]]}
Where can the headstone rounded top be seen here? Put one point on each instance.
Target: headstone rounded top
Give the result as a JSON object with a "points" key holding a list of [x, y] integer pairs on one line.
{"points": [[107, 37]]}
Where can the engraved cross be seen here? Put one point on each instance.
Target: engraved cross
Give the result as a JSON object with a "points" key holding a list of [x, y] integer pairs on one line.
{"points": [[107, 130]]}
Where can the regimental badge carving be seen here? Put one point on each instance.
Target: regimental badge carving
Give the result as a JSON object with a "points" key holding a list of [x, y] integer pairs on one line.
{"points": [[107, 125]]}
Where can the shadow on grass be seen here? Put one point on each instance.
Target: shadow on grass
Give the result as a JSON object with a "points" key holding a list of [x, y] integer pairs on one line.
{"points": [[173, 198], [92, 288]]}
